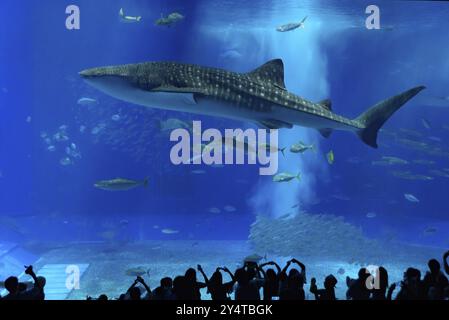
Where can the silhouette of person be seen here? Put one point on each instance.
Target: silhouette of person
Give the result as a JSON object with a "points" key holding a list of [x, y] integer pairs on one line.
{"points": [[257, 276], [328, 293], [248, 280], [180, 288], [357, 288], [379, 291], [446, 264], [164, 291], [215, 286], [248, 287], [434, 282], [271, 287], [192, 286], [411, 286], [134, 292], [446, 268], [294, 289], [37, 292], [291, 286], [19, 291], [12, 286]]}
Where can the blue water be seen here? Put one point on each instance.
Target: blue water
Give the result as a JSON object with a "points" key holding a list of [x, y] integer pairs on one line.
{"points": [[334, 57]]}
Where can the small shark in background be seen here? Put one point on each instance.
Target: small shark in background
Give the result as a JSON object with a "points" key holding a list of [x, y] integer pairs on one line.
{"points": [[259, 96], [120, 184], [292, 26]]}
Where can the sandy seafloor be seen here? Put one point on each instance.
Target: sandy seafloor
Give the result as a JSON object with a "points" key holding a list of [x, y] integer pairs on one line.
{"points": [[108, 263]]}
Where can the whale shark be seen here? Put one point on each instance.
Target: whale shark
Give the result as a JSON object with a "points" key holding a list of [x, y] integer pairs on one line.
{"points": [[258, 96]]}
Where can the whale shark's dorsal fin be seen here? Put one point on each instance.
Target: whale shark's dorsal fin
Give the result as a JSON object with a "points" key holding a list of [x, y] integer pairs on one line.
{"points": [[272, 71], [327, 103]]}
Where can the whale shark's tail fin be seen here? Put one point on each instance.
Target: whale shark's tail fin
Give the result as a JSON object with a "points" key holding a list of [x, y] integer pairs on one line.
{"points": [[374, 118]]}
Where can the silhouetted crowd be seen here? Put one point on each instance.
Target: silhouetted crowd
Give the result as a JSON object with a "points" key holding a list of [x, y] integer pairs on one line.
{"points": [[275, 283]]}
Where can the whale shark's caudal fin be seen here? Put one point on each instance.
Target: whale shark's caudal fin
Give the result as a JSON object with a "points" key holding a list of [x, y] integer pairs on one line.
{"points": [[376, 116]]}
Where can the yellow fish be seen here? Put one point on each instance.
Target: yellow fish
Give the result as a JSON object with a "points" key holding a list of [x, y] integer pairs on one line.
{"points": [[330, 157]]}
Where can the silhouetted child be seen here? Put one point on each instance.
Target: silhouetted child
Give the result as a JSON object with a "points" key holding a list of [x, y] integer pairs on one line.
{"points": [[328, 293], [357, 288], [12, 286], [164, 291], [411, 286], [434, 282]]}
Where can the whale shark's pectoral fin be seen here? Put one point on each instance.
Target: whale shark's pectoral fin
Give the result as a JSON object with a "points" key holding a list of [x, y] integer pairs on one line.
{"points": [[325, 132], [190, 95], [190, 99], [327, 103], [275, 124]]}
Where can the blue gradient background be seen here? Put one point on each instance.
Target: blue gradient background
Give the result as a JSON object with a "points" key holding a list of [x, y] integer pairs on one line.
{"points": [[353, 66]]}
